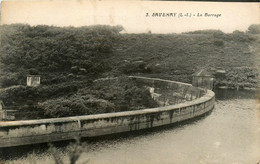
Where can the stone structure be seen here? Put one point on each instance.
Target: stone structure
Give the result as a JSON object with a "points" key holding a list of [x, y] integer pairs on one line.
{"points": [[1, 105], [6, 115], [203, 79], [195, 102], [33, 80], [1, 110]]}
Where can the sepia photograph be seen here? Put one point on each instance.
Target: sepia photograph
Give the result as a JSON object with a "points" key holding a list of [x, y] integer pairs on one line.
{"points": [[129, 82]]}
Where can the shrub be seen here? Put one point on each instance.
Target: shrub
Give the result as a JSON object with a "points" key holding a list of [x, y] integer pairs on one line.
{"points": [[240, 77], [74, 151], [76, 105], [104, 96], [218, 42], [254, 29], [135, 67], [23, 95]]}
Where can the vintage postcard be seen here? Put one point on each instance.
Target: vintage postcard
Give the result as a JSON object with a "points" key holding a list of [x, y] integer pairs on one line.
{"points": [[129, 82]]}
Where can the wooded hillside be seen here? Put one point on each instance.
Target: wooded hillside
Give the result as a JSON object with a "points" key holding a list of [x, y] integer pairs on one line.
{"points": [[68, 60]]}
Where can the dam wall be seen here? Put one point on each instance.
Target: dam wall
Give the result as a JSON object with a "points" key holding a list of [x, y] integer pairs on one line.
{"points": [[193, 102]]}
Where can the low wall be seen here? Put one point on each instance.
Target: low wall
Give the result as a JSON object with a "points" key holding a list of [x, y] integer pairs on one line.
{"points": [[167, 92], [198, 101]]}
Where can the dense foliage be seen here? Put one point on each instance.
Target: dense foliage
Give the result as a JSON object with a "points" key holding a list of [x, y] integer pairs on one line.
{"points": [[239, 77], [69, 60], [103, 96], [22, 95], [53, 52], [178, 56]]}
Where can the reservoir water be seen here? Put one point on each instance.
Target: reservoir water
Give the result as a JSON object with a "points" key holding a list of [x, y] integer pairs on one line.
{"points": [[230, 134]]}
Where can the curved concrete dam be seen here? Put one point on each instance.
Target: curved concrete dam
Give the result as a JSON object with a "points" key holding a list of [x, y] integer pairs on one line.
{"points": [[191, 102]]}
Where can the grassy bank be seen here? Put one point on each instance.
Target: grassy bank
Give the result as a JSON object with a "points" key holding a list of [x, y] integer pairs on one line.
{"points": [[178, 56]]}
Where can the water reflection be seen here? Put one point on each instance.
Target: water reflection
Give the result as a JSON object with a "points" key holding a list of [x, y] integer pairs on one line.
{"points": [[226, 94]]}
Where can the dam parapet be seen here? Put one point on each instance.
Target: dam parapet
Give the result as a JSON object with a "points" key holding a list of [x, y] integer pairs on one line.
{"points": [[167, 92]]}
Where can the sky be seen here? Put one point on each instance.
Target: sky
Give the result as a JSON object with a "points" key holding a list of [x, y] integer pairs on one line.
{"points": [[132, 15]]}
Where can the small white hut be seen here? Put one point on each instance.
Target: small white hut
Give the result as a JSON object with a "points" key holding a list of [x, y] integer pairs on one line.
{"points": [[33, 80]]}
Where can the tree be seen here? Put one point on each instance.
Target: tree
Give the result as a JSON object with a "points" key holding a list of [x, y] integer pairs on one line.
{"points": [[254, 29]]}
